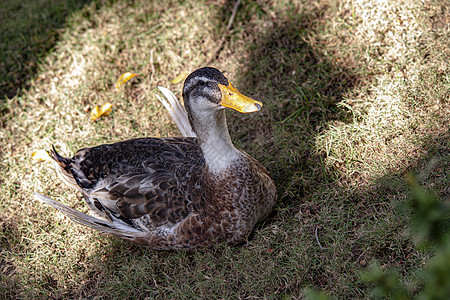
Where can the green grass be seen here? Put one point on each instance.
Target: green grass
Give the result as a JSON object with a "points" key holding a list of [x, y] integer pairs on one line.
{"points": [[29, 33], [355, 96]]}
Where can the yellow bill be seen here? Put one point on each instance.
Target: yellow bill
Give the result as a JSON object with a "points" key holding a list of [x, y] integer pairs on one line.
{"points": [[124, 78], [99, 111], [40, 155], [232, 98]]}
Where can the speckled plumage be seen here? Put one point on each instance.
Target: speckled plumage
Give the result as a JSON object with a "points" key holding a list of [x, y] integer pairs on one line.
{"points": [[163, 193]]}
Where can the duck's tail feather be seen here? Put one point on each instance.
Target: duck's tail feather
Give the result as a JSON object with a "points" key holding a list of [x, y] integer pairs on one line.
{"points": [[61, 160], [177, 111], [61, 164], [104, 226]]}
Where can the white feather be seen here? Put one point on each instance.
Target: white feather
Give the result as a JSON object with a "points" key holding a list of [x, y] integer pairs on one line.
{"points": [[102, 225], [177, 111]]}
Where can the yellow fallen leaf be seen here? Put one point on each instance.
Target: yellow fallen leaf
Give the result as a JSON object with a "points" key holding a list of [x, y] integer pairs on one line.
{"points": [[180, 77], [40, 155], [124, 78], [103, 110]]}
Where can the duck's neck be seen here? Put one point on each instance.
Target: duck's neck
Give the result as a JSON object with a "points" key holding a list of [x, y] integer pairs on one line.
{"points": [[215, 141]]}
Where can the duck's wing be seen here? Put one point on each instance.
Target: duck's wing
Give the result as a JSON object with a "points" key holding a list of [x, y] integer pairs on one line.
{"points": [[146, 185], [177, 111]]}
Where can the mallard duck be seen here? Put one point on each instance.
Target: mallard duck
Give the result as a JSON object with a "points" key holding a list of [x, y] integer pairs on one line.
{"points": [[175, 193]]}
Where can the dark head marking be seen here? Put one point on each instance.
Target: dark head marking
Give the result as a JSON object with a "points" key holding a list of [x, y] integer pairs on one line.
{"points": [[203, 83], [210, 73], [201, 78]]}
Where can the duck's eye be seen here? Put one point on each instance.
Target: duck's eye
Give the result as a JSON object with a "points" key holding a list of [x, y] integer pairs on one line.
{"points": [[230, 94]]}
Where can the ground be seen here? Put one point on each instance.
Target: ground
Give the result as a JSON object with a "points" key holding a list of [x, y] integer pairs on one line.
{"points": [[356, 97]]}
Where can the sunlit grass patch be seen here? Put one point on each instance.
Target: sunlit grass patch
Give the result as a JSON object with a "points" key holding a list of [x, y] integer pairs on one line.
{"points": [[383, 134], [378, 136]]}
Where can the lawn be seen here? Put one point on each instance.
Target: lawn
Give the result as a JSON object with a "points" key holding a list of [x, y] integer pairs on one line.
{"points": [[356, 98]]}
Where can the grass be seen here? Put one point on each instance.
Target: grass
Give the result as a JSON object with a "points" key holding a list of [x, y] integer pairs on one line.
{"points": [[28, 35], [356, 95]]}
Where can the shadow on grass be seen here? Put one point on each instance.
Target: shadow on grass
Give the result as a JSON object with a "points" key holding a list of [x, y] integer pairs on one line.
{"points": [[8, 232], [299, 87], [29, 31]]}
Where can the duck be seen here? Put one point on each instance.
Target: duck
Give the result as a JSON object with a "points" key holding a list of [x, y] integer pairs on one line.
{"points": [[174, 193]]}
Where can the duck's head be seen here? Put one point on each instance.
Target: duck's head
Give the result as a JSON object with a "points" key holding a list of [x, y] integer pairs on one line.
{"points": [[207, 90], [206, 93]]}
